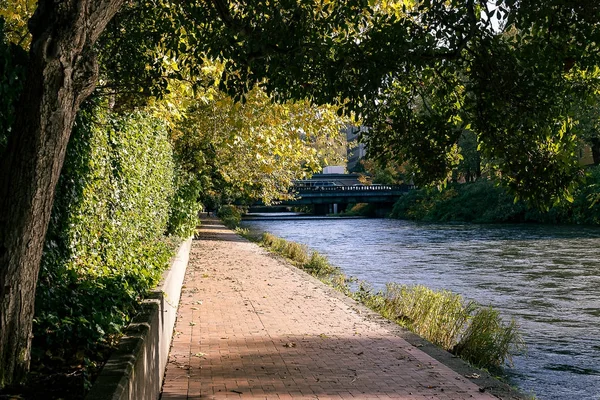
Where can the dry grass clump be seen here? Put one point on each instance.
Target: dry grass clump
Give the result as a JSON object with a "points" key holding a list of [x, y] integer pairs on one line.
{"points": [[488, 341], [438, 316], [474, 333], [290, 250]]}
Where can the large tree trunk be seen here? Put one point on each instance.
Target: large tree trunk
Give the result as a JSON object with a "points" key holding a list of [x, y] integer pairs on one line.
{"points": [[62, 73], [595, 146]]}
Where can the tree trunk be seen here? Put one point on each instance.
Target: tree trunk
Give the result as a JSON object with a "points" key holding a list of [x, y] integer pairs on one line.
{"points": [[62, 73], [595, 146]]}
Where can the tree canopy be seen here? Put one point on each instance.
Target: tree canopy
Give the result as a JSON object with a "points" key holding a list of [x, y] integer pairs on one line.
{"points": [[419, 73], [243, 152]]}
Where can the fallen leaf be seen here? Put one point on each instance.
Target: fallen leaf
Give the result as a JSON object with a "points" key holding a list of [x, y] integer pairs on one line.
{"points": [[200, 355], [290, 344]]}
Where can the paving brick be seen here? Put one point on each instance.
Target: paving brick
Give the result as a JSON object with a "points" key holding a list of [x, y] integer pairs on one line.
{"points": [[251, 327]]}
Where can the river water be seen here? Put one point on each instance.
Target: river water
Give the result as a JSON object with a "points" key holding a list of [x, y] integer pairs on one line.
{"points": [[547, 278]]}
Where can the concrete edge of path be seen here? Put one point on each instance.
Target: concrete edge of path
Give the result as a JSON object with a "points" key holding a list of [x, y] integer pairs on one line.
{"points": [[482, 378], [136, 368]]}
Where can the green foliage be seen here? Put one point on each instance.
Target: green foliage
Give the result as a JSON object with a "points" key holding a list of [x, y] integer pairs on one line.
{"points": [[419, 73], [15, 14], [230, 215], [469, 167], [105, 245], [360, 210], [482, 202], [389, 174], [255, 150], [513, 86], [585, 208], [185, 207], [486, 202]]}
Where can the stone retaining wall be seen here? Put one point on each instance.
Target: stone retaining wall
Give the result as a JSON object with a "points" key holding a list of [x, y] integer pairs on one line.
{"points": [[135, 370]]}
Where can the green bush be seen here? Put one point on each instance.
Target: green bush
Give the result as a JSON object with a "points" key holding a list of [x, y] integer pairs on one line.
{"points": [[185, 207], [105, 246], [486, 202], [480, 201], [230, 215], [360, 210]]}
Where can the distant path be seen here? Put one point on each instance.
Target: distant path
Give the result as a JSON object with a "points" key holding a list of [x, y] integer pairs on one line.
{"points": [[251, 326]]}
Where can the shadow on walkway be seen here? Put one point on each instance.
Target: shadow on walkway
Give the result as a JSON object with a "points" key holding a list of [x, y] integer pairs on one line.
{"points": [[321, 366]]}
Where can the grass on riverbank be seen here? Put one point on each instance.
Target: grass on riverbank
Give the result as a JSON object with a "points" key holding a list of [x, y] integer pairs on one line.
{"points": [[312, 262], [475, 333]]}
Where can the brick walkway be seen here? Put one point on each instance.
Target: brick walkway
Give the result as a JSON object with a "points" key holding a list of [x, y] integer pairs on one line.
{"points": [[249, 326]]}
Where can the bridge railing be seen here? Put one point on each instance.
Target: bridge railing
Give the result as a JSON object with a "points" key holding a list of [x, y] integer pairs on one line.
{"points": [[353, 188]]}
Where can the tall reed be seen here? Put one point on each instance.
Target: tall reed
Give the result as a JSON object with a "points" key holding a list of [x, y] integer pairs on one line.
{"points": [[488, 341]]}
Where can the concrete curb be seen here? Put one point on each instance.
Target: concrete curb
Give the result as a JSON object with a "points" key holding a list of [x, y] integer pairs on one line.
{"points": [[136, 369]]}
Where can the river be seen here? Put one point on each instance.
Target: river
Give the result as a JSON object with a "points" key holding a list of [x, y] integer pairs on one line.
{"points": [[545, 277]]}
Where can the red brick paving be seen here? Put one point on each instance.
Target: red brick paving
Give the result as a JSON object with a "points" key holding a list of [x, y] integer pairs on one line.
{"points": [[251, 327]]}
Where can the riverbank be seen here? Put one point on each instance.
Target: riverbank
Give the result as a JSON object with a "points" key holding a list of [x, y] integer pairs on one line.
{"points": [[252, 326], [545, 277], [485, 201]]}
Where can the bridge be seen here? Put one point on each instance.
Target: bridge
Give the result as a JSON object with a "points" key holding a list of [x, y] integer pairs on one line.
{"points": [[327, 199], [347, 194]]}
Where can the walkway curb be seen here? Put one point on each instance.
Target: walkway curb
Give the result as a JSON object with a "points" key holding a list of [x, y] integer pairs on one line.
{"points": [[136, 369]]}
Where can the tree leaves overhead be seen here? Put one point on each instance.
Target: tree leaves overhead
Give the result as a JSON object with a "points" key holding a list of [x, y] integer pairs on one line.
{"points": [[418, 72], [256, 149], [15, 14], [516, 88]]}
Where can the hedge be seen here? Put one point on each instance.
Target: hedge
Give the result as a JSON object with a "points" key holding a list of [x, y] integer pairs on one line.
{"points": [[105, 245]]}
